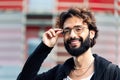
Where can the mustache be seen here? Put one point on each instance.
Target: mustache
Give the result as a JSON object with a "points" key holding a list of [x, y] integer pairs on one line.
{"points": [[71, 39]]}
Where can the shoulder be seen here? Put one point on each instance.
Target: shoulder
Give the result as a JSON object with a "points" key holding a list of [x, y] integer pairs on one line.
{"points": [[105, 69], [112, 72], [103, 65]]}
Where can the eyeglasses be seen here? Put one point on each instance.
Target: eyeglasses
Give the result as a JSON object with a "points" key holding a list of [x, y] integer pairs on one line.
{"points": [[77, 29]]}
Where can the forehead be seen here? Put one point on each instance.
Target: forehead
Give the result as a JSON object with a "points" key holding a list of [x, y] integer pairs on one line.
{"points": [[72, 21]]}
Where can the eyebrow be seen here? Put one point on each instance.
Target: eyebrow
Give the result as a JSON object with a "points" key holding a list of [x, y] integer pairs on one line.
{"points": [[66, 28], [73, 26]]}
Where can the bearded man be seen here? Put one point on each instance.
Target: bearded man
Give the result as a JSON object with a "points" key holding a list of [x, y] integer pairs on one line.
{"points": [[79, 30]]}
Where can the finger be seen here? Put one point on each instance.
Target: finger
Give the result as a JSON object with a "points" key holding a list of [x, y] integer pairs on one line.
{"points": [[52, 31], [55, 31], [48, 34], [58, 31]]}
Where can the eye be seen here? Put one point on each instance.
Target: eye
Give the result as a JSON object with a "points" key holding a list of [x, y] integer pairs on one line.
{"points": [[66, 31], [78, 29]]}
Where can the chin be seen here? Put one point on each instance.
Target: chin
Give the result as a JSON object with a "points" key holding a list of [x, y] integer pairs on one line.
{"points": [[78, 49]]}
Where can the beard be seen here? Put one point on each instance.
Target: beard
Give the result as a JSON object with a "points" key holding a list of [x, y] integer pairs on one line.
{"points": [[85, 45]]}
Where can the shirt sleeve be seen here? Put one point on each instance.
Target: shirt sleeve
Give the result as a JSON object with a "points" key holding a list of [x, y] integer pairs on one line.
{"points": [[49, 75], [33, 63]]}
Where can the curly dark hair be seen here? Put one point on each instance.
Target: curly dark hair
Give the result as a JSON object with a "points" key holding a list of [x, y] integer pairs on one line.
{"points": [[83, 13]]}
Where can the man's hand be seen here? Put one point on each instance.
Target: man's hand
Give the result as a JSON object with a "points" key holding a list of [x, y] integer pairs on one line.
{"points": [[50, 37]]}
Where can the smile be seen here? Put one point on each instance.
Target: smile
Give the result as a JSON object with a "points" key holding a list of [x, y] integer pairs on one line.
{"points": [[74, 43]]}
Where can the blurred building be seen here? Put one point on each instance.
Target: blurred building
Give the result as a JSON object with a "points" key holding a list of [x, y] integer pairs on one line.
{"points": [[22, 23], [12, 39]]}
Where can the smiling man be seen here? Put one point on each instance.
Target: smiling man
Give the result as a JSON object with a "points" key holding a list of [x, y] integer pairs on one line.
{"points": [[79, 30]]}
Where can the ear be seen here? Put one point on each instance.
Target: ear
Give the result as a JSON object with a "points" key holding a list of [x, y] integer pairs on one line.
{"points": [[92, 34]]}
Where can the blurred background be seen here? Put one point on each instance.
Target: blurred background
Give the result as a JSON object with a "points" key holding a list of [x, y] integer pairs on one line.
{"points": [[22, 23]]}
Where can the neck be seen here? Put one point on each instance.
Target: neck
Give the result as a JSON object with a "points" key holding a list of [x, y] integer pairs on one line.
{"points": [[84, 60]]}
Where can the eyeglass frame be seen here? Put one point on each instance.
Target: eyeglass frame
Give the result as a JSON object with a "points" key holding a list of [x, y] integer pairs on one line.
{"points": [[75, 28]]}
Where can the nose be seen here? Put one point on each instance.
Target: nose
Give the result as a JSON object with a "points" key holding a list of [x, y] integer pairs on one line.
{"points": [[73, 34]]}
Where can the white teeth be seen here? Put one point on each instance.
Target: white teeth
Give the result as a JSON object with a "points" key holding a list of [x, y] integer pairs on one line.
{"points": [[74, 42]]}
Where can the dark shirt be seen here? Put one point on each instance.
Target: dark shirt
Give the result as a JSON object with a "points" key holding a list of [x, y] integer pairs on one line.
{"points": [[60, 71]]}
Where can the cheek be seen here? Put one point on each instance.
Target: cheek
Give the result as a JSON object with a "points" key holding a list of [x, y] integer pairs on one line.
{"points": [[83, 38], [84, 35], [65, 38]]}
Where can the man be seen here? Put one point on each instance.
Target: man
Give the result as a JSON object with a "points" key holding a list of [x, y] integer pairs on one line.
{"points": [[79, 30]]}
